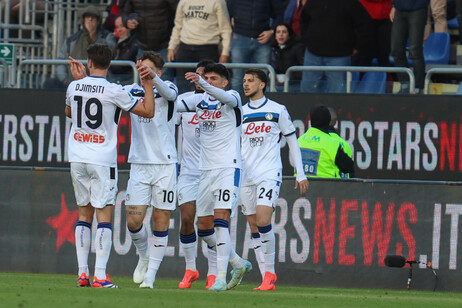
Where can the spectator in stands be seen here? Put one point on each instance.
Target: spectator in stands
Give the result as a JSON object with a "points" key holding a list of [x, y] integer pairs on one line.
{"points": [[408, 22], [76, 45], [292, 15], [322, 155], [113, 10], [252, 32], [35, 7], [437, 12], [332, 31], [127, 49], [200, 26], [152, 21], [379, 10], [287, 52]]}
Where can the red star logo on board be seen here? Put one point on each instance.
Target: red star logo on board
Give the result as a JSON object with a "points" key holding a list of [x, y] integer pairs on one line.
{"points": [[64, 223]]}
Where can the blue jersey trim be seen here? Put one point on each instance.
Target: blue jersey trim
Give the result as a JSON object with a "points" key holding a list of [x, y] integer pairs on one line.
{"points": [[237, 176], [136, 103], [186, 106], [93, 76], [263, 104], [290, 133]]}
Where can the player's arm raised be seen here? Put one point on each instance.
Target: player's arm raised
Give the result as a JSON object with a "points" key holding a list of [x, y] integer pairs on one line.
{"points": [[147, 108], [220, 94]]}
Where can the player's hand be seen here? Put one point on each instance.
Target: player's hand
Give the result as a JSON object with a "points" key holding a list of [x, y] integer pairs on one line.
{"points": [[392, 13], [192, 77], [265, 36], [224, 59], [145, 71], [132, 24], [304, 184], [77, 69], [170, 55]]}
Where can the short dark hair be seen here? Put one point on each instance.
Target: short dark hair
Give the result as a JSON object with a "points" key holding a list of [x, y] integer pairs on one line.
{"points": [[218, 68], [154, 57], [100, 55], [204, 63], [261, 75]]}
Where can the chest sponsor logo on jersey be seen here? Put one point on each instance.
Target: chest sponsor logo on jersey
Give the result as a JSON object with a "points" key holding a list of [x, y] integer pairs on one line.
{"points": [[89, 138], [194, 120], [207, 117], [256, 141], [210, 115], [255, 128]]}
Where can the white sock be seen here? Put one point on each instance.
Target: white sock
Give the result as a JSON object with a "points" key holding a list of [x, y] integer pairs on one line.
{"points": [[212, 262], [156, 254], [223, 248], [210, 238], [140, 240], [259, 250], [234, 259], [103, 245], [188, 244], [82, 245], [269, 241]]}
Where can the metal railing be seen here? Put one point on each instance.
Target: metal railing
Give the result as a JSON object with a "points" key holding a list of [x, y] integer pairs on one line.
{"points": [[437, 70], [269, 68], [23, 63], [348, 70], [6, 80]]}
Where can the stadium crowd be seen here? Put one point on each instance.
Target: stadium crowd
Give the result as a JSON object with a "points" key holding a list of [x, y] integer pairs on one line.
{"points": [[333, 33]]}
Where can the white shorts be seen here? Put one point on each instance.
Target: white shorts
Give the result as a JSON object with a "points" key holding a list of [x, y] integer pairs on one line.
{"points": [[94, 184], [152, 185], [218, 189], [265, 193], [188, 185]]}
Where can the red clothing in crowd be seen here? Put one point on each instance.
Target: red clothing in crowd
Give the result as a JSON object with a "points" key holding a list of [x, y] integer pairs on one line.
{"points": [[378, 9]]}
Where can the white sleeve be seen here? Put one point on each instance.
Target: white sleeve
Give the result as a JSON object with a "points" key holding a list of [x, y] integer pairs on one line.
{"points": [[296, 156], [285, 123], [166, 89], [231, 98], [188, 104]]}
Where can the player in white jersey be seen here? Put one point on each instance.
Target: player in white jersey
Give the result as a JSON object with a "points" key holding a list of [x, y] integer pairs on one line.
{"points": [[94, 105], [153, 172], [188, 184], [264, 121], [219, 113]]}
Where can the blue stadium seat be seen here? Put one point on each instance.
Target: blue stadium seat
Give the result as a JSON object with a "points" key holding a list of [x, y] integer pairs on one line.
{"points": [[436, 48], [372, 82], [459, 90], [453, 23]]}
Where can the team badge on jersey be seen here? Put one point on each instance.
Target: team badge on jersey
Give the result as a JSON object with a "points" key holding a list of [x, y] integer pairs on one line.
{"points": [[269, 116], [180, 196], [127, 197]]}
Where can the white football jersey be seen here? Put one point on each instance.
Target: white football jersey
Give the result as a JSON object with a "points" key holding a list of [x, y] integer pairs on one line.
{"points": [[190, 150], [153, 139], [96, 106], [220, 129], [262, 130]]}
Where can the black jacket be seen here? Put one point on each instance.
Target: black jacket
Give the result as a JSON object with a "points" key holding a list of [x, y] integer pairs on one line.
{"points": [[334, 28], [252, 17], [126, 50], [155, 19], [283, 58]]}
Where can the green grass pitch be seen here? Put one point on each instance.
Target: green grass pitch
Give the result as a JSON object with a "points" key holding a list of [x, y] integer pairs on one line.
{"points": [[52, 290]]}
